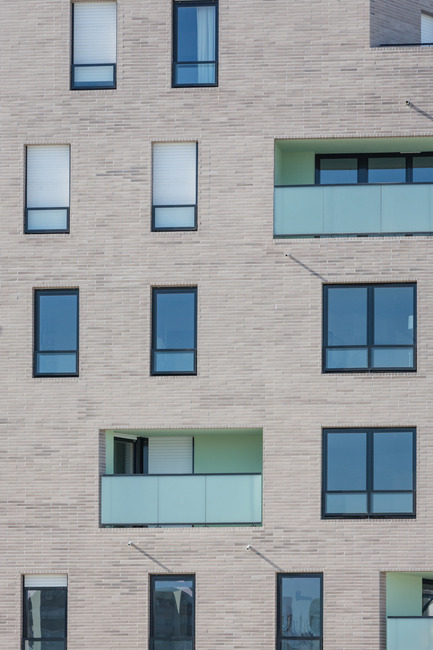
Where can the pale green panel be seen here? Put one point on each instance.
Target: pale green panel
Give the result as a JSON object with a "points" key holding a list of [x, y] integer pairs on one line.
{"points": [[298, 210], [278, 166], [357, 145], [129, 499], [227, 454], [406, 208], [297, 168], [351, 209], [109, 452], [403, 595], [233, 499], [409, 634], [181, 499]]}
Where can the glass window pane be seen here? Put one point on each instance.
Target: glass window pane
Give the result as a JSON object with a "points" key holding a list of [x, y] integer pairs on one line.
{"points": [[392, 358], [387, 170], [346, 504], [392, 503], [346, 461], [45, 219], [196, 33], [300, 606], [175, 217], [124, 456], [174, 361], [195, 73], [45, 645], [300, 644], [347, 316], [56, 364], [94, 75], [423, 169], [172, 608], [350, 358], [393, 315], [175, 320], [393, 460], [57, 327], [172, 645], [45, 613], [334, 171]]}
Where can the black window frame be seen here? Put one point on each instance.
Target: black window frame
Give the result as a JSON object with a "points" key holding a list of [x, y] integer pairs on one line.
{"points": [[369, 491], [91, 85], [362, 166], [27, 230], [140, 454], [279, 638], [193, 3], [370, 286], [170, 578], [154, 228], [167, 290], [25, 638], [36, 351]]}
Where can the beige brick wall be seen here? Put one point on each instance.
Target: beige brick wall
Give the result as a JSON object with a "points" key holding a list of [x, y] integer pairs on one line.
{"points": [[287, 70]]}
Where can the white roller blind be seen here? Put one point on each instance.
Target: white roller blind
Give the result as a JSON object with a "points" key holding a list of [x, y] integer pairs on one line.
{"points": [[94, 32], [46, 580], [48, 176], [171, 455], [174, 173], [426, 28]]}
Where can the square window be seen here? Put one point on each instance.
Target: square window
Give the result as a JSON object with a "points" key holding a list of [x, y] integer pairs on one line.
{"points": [[93, 45], [47, 189], [195, 43], [172, 612], [44, 612], [368, 473], [369, 328], [174, 191], [426, 28], [174, 331], [299, 611], [56, 333]]}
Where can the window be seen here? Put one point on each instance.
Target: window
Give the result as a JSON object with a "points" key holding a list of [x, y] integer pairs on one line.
{"points": [[299, 611], [174, 331], [426, 28], [172, 612], [44, 612], [374, 168], [368, 472], [195, 43], [369, 327], [93, 45], [56, 333], [47, 189], [174, 186]]}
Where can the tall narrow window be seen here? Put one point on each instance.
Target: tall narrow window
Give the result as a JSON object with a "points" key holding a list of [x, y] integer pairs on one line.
{"points": [[369, 327], [195, 43], [93, 45], [174, 331], [56, 333], [426, 28], [299, 611], [174, 186], [44, 612], [172, 612], [47, 189]]}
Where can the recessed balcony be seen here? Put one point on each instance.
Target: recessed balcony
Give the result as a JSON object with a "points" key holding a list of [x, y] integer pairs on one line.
{"points": [[409, 610]]}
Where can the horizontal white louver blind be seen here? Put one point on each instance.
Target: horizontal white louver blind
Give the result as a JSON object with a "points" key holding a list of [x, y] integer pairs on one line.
{"points": [[48, 176], [170, 455], [46, 580], [94, 32], [174, 173], [426, 28]]}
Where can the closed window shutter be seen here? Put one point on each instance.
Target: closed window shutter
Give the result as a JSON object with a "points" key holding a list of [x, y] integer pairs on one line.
{"points": [[171, 455], [46, 580], [48, 176], [174, 173], [426, 28], [94, 32]]}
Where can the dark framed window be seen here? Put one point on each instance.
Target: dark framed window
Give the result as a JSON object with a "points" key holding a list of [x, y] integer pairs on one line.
{"points": [[56, 333], [369, 327], [195, 43], [427, 597], [369, 472], [93, 45], [174, 331], [131, 456], [342, 169], [299, 611], [44, 616], [47, 189], [174, 186], [172, 612]]}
